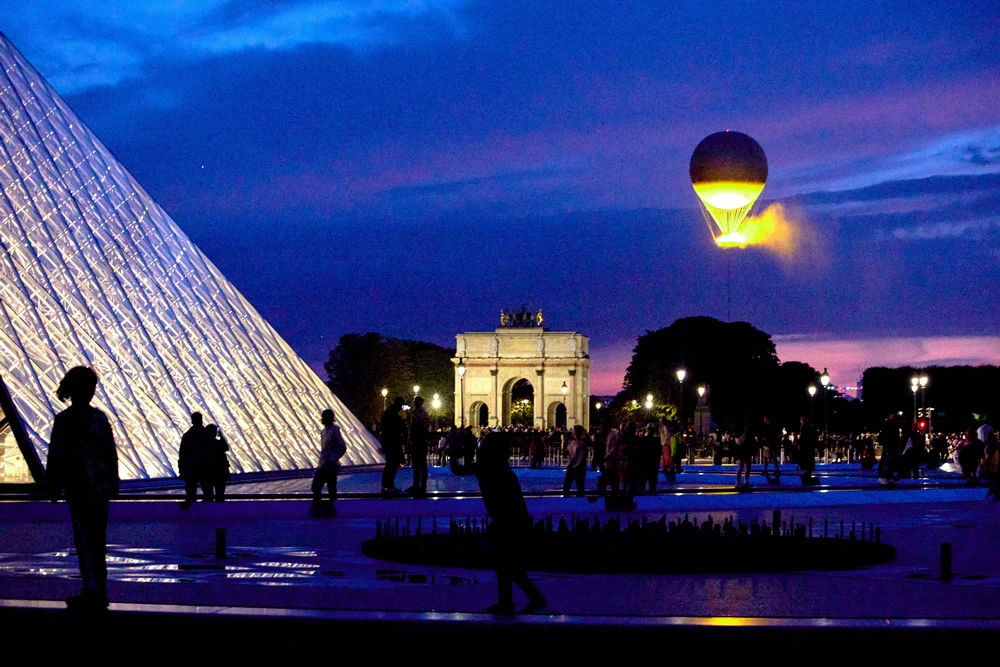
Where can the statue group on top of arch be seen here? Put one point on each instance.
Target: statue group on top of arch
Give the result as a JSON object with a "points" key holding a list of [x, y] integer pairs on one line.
{"points": [[521, 319]]}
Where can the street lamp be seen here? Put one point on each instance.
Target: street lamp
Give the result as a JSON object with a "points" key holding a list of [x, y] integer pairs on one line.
{"points": [[461, 381], [597, 406], [701, 391], [914, 386], [416, 390], [436, 403], [923, 399], [384, 392], [824, 380], [812, 403], [681, 374], [649, 405], [565, 390]]}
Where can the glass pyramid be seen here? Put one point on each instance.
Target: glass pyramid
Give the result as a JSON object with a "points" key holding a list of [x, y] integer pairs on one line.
{"points": [[93, 272]]}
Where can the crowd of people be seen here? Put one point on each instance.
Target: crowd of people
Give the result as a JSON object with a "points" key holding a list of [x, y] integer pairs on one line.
{"points": [[630, 457], [83, 465]]}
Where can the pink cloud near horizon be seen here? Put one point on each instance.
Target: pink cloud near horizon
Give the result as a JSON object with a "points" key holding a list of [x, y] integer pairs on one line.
{"points": [[844, 358]]}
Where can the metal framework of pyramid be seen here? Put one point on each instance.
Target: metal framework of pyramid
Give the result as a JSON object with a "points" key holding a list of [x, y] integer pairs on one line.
{"points": [[93, 272]]}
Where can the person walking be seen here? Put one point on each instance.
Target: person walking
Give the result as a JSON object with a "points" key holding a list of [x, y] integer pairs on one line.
{"points": [[189, 458], [83, 463], [332, 448], [217, 462], [393, 434], [576, 468], [509, 532], [420, 424]]}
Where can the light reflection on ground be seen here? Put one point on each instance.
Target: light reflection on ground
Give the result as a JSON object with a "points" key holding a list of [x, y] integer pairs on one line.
{"points": [[261, 565]]}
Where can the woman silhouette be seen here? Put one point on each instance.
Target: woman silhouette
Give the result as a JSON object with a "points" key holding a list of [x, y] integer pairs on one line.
{"points": [[83, 462]]}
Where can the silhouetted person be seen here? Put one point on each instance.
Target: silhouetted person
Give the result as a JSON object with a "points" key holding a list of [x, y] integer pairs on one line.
{"points": [[216, 462], [332, 448], [509, 532], [746, 447], [576, 469], [888, 440], [600, 440], [806, 458], [189, 458], [392, 437], [83, 462], [420, 424], [970, 454]]}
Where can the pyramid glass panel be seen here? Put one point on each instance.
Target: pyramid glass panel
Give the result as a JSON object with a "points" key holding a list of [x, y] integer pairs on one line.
{"points": [[94, 272]]}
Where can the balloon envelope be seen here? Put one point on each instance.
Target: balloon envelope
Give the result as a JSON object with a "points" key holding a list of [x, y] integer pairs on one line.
{"points": [[728, 173]]}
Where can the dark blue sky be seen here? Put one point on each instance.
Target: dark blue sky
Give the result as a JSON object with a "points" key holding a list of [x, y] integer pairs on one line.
{"points": [[412, 167]]}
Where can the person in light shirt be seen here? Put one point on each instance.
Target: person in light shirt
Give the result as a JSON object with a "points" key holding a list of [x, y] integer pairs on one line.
{"points": [[332, 449]]}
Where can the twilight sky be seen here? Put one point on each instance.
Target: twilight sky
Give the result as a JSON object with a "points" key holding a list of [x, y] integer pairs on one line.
{"points": [[413, 167]]}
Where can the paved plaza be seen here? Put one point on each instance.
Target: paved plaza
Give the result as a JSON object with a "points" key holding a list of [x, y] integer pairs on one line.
{"points": [[278, 557]]}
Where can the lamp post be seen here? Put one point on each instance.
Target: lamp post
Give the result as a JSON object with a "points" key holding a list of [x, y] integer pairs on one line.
{"points": [[914, 386], [461, 382], [701, 409], [384, 392], [681, 374], [416, 390], [649, 405], [565, 390], [824, 380], [812, 403], [924, 380]]}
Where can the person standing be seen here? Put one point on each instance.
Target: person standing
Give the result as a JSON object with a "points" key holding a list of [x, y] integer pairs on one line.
{"points": [[420, 424], [217, 462], [576, 469], [888, 440], [189, 458], [83, 463], [600, 441], [393, 433], [746, 447], [332, 448], [807, 440], [771, 447]]}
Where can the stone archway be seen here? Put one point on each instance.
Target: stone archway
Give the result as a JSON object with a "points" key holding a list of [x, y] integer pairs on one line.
{"points": [[495, 362], [517, 402], [479, 414], [557, 414]]}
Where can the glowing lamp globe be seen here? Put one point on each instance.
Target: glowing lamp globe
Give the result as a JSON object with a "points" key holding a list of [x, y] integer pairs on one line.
{"points": [[728, 173]]}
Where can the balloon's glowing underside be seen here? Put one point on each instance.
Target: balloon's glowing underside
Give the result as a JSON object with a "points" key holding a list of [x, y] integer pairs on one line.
{"points": [[728, 204]]}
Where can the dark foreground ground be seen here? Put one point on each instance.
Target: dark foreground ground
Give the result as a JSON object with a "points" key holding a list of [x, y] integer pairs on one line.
{"points": [[291, 587]]}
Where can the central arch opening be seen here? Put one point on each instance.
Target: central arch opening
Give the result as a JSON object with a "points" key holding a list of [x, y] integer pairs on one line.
{"points": [[518, 403]]}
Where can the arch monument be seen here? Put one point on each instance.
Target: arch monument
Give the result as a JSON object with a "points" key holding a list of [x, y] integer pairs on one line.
{"points": [[521, 349]]}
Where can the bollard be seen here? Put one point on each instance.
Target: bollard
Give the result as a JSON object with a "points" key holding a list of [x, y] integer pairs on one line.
{"points": [[220, 542], [946, 573]]}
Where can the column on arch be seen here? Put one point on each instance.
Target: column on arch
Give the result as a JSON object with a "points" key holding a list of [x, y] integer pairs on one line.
{"points": [[494, 398], [539, 389]]}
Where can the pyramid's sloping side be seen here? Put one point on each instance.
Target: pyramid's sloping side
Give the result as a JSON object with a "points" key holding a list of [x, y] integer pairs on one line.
{"points": [[93, 272]]}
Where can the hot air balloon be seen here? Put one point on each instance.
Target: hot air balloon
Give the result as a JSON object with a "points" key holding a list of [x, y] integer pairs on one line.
{"points": [[728, 172]]}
